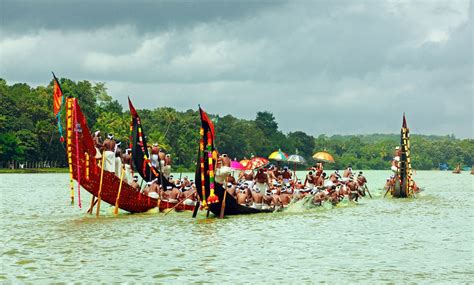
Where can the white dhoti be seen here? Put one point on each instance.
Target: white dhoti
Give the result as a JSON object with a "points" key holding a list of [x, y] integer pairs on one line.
{"points": [[97, 154], [153, 195], [250, 183], [261, 186], [167, 171], [189, 202], [118, 166], [154, 160], [128, 173], [257, 206], [109, 161], [222, 173], [310, 185]]}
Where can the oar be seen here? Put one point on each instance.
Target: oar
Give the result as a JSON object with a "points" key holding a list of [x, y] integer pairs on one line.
{"points": [[196, 208], [118, 194], [367, 188], [100, 185], [93, 202], [389, 188], [221, 214], [179, 203]]}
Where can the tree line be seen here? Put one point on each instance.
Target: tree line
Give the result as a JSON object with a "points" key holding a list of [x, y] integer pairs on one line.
{"points": [[28, 132]]}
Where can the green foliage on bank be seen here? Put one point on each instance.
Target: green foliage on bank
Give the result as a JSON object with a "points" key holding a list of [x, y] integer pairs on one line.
{"points": [[28, 132]]}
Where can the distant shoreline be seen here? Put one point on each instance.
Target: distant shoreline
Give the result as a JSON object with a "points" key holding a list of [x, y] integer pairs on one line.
{"points": [[34, 170]]}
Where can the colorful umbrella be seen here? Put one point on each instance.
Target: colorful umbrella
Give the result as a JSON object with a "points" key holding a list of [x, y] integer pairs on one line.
{"points": [[278, 156], [256, 162], [236, 165], [244, 162], [323, 157], [296, 158]]}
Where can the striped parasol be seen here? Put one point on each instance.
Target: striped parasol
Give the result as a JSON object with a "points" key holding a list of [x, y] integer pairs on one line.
{"points": [[244, 162], [278, 156], [256, 162]]}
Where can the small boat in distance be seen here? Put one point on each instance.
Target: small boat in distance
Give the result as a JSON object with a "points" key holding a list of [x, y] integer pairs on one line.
{"points": [[457, 170], [401, 183]]}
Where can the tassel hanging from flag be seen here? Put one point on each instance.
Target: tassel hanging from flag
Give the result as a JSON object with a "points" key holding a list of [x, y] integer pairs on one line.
{"points": [[201, 164], [210, 153], [58, 102]]}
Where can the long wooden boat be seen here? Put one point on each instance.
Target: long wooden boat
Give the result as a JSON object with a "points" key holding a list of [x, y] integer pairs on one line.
{"points": [[85, 170], [457, 170], [210, 192], [403, 178]]}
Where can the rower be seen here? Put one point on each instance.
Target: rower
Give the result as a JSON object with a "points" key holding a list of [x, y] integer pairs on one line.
{"points": [[347, 172], [261, 180], [285, 198], [134, 183], [154, 189], [257, 198], [109, 153], [309, 181], [286, 175], [147, 188], [248, 177], [230, 188], [243, 195]]}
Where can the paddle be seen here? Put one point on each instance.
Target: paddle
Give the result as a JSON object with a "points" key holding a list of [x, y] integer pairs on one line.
{"points": [[389, 188], [100, 185], [179, 203], [93, 202], [367, 188], [196, 209], [221, 214], [118, 194]]}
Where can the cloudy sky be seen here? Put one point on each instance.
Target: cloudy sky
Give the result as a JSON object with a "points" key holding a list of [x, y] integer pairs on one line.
{"points": [[332, 67]]}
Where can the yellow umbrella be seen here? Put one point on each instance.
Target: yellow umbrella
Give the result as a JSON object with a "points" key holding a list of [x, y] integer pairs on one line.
{"points": [[323, 156], [278, 156]]}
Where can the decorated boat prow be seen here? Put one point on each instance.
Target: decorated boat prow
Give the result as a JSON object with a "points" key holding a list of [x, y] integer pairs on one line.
{"points": [[142, 161], [403, 187], [84, 168], [211, 193]]}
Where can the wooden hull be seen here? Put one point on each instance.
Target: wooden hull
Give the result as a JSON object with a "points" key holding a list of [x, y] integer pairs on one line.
{"points": [[84, 168], [130, 200], [231, 205]]}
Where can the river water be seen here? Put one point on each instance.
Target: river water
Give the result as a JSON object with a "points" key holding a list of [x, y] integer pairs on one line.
{"points": [[425, 240]]}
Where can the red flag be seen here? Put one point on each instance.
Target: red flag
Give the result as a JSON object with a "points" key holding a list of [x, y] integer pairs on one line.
{"points": [[57, 96], [206, 119]]}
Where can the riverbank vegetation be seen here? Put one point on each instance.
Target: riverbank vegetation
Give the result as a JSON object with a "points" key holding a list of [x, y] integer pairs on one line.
{"points": [[28, 132]]}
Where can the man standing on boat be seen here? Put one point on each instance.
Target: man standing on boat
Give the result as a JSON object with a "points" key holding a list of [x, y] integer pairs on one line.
{"points": [[98, 144], [155, 150], [261, 180], [396, 159], [109, 153], [223, 169]]}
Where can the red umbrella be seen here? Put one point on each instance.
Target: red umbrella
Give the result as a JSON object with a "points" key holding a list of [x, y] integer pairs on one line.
{"points": [[256, 162]]}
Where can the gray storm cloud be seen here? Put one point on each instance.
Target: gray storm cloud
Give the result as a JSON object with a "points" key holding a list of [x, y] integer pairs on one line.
{"points": [[321, 67]]}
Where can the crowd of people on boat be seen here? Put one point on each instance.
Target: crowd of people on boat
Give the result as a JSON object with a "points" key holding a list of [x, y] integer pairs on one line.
{"points": [[269, 187], [275, 187]]}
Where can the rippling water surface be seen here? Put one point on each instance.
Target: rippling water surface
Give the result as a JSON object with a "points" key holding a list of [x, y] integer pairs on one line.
{"points": [[425, 240]]}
